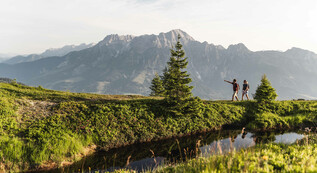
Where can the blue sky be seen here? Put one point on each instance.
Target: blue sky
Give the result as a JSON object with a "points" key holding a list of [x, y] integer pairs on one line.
{"points": [[31, 26]]}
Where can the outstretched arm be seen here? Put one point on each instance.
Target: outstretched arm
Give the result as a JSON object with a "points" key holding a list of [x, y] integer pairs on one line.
{"points": [[228, 81]]}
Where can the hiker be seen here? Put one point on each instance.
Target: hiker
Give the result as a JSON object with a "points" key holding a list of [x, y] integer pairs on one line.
{"points": [[236, 88], [245, 89]]}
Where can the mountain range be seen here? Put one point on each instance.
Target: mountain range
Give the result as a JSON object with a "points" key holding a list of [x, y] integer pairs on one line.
{"points": [[126, 65], [47, 53], [4, 57]]}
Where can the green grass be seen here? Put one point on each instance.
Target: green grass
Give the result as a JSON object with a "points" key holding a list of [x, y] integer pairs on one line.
{"points": [[40, 125], [43, 125], [298, 157]]}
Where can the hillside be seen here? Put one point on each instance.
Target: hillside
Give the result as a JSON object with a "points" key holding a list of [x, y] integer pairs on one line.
{"points": [[127, 64], [42, 129]]}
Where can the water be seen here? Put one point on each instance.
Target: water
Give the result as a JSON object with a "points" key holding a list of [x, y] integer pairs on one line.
{"points": [[147, 156]]}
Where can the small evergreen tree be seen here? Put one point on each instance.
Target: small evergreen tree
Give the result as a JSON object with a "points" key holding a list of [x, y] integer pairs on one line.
{"points": [[157, 88], [176, 80], [265, 92]]}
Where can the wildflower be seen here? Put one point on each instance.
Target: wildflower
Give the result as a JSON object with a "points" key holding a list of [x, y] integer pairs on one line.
{"points": [[265, 157]]}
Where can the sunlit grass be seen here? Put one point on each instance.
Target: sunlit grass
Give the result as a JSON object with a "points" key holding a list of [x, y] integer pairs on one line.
{"points": [[39, 125], [261, 158]]}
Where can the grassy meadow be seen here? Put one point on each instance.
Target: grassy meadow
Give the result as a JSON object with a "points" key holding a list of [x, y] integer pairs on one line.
{"points": [[43, 128]]}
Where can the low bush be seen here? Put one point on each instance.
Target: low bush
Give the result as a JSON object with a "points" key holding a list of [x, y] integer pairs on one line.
{"points": [[266, 121]]}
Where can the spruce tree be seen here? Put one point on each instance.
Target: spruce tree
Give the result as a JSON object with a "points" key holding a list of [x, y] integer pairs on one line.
{"points": [[265, 92], [176, 80], [157, 88]]}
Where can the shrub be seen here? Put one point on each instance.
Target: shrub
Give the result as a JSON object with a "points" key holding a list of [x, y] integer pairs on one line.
{"points": [[265, 92], [267, 120]]}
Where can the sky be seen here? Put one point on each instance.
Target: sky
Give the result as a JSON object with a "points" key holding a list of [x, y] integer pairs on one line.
{"points": [[32, 26]]}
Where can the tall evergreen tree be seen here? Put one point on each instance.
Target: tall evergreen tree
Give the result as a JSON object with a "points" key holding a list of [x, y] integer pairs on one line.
{"points": [[176, 80], [265, 92], [157, 88]]}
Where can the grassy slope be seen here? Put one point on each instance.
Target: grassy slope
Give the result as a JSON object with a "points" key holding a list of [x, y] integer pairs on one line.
{"points": [[39, 125]]}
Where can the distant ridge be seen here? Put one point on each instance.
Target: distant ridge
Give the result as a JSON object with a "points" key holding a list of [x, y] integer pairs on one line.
{"points": [[49, 52]]}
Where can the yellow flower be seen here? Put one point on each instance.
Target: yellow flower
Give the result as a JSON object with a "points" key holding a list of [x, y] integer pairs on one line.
{"points": [[265, 157]]}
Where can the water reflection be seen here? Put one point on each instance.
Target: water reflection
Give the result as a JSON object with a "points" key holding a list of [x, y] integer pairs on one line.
{"points": [[228, 144], [146, 164], [147, 156], [288, 138]]}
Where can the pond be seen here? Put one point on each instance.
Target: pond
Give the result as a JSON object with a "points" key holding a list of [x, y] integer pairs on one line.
{"points": [[147, 156]]}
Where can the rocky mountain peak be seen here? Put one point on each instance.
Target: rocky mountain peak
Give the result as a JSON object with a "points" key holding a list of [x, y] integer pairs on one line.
{"points": [[115, 38], [173, 34], [240, 47]]}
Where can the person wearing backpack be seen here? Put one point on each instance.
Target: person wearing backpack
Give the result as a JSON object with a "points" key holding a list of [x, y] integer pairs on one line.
{"points": [[245, 89], [236, 88]]}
